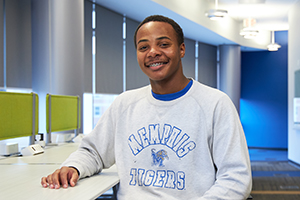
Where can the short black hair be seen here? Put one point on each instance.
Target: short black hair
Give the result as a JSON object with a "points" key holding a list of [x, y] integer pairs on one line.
{"points": [[160, 18]]}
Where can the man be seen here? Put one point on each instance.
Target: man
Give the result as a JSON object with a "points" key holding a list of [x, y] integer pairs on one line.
{"points": [[174, 139]]}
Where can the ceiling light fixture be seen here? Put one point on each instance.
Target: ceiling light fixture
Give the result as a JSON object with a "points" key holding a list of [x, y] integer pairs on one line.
{"points": [[216, 14], [249, 31], [273, 46]]}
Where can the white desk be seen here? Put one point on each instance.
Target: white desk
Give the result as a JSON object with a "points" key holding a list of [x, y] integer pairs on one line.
{"points": [[21, 176], [52, 155]]}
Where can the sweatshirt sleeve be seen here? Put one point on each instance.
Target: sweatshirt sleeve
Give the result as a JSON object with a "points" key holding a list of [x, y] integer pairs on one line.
{"points": [[230, 155], [96, 150]]}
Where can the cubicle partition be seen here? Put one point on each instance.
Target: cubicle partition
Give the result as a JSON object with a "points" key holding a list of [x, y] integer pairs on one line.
{"points": [[62, 114], [18, 115]]}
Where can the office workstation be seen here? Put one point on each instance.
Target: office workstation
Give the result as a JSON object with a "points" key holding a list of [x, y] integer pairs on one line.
{"points": [[20, 113], [20, 173], [267, 88]]}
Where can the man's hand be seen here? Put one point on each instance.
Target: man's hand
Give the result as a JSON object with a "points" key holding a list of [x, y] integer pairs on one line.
{"points": [[61, 177]]}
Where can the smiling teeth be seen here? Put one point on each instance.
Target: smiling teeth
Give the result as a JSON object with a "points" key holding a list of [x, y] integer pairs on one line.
{"points": [[155, 64]]}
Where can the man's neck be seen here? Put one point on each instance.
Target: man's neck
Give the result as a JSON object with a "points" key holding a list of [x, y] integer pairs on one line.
{"points": [[169, 86]]}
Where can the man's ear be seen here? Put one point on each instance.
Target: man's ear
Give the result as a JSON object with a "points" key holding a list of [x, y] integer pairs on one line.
{"points": [[182, 50]]}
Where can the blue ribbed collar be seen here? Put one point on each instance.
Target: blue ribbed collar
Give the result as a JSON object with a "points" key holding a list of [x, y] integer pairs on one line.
{"points": [[172, 96]]}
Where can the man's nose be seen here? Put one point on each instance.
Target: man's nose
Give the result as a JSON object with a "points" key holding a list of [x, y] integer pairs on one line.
{"points": [[154, 52]]}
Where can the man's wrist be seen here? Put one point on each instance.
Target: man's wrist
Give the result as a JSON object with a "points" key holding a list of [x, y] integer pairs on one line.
{"points": [[76, 170]]}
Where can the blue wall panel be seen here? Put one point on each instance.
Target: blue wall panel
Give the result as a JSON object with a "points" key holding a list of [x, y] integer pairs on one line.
{"points": [[263, 105]]}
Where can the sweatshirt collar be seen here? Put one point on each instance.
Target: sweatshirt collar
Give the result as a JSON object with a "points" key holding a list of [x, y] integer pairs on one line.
{"points": [[173, 96]]}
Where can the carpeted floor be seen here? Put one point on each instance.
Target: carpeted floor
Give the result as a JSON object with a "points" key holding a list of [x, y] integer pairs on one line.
{"points": [[274, 177]]}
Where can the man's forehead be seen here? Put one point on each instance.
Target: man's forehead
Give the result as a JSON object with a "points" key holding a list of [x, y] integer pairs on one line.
{"points": [[156, 23], [156, 27]]}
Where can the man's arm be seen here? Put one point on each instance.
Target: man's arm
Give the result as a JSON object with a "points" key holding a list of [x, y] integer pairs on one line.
{"points": [[95, 152], [230, 155]]}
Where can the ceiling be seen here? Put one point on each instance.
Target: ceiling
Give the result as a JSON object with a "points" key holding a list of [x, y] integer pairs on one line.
{"points": [[190, 14], [269, 14]]}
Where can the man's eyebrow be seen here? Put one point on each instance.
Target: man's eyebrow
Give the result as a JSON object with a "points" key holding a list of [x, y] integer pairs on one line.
{"points": [[145, 40], [163, 37], [160, 38]]}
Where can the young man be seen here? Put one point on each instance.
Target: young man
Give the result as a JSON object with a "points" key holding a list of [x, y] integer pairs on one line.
{"points": [[173, 139]]}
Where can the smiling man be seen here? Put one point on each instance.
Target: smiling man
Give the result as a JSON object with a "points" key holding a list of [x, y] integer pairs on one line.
{"points": [[173, 139], [159, 53]]}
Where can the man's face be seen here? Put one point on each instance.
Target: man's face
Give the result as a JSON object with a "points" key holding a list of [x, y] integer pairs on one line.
{"points": [[158, 53]]}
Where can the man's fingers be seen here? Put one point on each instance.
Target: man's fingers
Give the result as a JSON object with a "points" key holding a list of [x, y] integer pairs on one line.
{"points": [[73, 177], [66, 176], [54, 180], [44, 182], [47, 181], [63, 176]]}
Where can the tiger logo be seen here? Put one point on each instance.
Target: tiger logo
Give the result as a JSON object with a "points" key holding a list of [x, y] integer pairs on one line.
{"points": [[159, 157]]}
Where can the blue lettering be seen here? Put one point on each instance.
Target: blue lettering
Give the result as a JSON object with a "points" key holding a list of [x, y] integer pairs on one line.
{"points": [[185, 149], [144, 137], [171, 137], [175, 132], [134, 145], [184, 138], [161, 178], [170, 182], [140, 176], [180, 180], [133, 176], [154, 133], [166, 133], [159, 181], [149, 177]]}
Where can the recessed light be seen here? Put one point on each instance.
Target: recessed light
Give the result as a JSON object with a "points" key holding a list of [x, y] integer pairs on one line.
{"points": [[216, 14]]}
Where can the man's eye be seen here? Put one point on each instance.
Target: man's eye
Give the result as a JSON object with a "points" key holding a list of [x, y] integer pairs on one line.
{"points": [[164, 44], [142, 48]]}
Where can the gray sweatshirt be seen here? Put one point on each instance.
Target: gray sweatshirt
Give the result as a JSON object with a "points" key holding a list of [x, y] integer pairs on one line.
{"points": [[192, 147]]}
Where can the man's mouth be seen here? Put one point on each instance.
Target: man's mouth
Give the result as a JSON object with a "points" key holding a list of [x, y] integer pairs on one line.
{"points": [[157, 64]]}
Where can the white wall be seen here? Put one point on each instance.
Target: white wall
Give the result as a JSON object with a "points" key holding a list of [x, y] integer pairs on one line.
{"points": [[293, 65]]}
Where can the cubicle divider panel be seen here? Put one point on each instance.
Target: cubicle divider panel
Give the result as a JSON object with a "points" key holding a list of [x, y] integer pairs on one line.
{"points": [[65, 113], [18, 115]]}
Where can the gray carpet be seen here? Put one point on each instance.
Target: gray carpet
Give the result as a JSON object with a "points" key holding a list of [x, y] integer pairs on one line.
{"points": [[278, 180]]}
